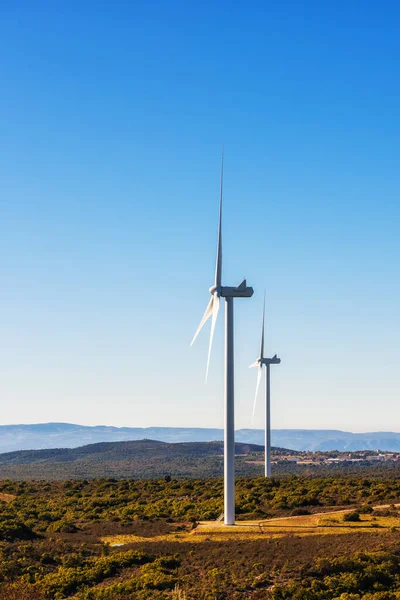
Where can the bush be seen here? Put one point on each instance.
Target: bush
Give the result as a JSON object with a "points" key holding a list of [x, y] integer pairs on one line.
{"points": [[365, 509], [298, 512], [62, 527], [15, 530], [353, 516]]}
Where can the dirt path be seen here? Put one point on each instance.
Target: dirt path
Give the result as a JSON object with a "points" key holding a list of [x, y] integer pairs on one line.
{"points": [[328, 512]]}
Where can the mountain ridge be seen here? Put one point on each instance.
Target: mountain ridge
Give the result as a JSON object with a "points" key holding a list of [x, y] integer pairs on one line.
{"points": [[52, 435]]}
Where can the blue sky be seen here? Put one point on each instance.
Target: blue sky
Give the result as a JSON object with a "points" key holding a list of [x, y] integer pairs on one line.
{"points": [[112, 118]]}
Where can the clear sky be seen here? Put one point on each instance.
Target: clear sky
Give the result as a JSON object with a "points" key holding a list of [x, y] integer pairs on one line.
{"points": [[112, 118]]}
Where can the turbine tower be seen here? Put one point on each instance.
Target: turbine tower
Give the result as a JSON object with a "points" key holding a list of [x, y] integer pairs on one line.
{"points": [[259, 363], [218, 291]]}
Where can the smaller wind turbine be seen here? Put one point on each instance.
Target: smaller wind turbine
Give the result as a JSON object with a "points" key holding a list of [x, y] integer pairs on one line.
{"points": [[259, 364]]}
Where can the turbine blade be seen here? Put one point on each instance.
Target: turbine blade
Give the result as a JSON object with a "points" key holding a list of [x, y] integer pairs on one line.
{"points": [[255, 364], [218, 266], [206, 316], [215, 310], [262, 332], [257, 388]]}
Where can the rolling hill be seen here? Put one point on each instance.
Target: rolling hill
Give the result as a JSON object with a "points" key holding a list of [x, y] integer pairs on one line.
{"points": [[133, 459]]}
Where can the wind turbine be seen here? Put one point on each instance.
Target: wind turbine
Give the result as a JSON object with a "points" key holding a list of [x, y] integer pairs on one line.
{"points": [[218, 291], [259, 363]]}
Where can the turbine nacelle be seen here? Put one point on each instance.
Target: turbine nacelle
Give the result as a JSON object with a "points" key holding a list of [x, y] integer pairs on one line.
{"points": [[271, 361], [241, 291]]}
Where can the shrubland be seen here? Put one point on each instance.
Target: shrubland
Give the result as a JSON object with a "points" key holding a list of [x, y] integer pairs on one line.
{"points": [[51, 540]]}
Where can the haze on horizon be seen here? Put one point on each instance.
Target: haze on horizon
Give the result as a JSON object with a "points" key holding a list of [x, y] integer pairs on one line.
{"points": [[113, 121]]}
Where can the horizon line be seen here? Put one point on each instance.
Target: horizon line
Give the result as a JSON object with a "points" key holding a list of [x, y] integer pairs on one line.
{"points": [[194, 427]]}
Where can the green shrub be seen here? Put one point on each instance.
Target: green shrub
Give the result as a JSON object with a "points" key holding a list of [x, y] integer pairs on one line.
{"points": [[62, 527], [15, 530], [298, 512], [353, 516]]}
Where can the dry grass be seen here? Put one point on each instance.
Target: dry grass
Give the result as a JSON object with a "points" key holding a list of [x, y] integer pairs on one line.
{"points": [[317, 524], [7, 497], [178, 593]]}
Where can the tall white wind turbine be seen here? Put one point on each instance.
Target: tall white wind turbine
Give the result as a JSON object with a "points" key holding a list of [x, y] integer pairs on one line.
{"points": [[259, 364], [218, 291]]}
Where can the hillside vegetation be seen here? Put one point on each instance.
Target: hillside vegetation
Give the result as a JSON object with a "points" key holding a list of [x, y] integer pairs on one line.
{"points": [[141, 458], [150, 459], [53, 540]]}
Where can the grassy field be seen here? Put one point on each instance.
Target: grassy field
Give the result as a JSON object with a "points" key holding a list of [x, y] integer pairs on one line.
{"points": [[326, 523]]}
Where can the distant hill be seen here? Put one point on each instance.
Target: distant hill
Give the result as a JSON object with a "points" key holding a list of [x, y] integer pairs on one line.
{"points": [[136, 459], [112, 451], [67, 435], [152, 459]]}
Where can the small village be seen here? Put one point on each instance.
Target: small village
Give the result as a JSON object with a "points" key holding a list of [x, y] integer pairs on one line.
{"points": [[332, 457]]}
